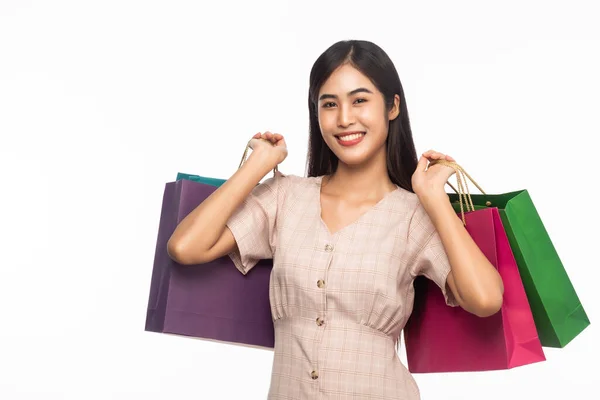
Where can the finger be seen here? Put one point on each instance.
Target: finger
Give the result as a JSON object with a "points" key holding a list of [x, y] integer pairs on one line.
{"points": [[253, 141], [281, 142], [422, 164], [268, 136], [450, 158], [256, 136]]}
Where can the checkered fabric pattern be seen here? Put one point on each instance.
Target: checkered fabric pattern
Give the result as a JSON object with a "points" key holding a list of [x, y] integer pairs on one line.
{"points": [[339, 300]]}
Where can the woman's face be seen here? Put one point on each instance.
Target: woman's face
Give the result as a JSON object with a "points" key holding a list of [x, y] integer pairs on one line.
{"points": [[353, 117]]}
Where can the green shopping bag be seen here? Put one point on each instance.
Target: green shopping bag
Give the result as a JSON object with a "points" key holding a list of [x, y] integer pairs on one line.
{"points": [[559, 315]]}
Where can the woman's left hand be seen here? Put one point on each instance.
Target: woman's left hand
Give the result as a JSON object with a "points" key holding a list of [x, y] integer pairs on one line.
{"points": [[428, 183]]}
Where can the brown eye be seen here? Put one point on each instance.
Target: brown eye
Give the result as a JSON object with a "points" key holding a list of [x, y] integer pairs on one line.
{"points": [[328, 105]]}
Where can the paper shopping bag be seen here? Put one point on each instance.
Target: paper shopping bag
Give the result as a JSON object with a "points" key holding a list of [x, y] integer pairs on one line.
{"points": [[558, 313], [209, 301], [202, 179], [213, 300], [440, 338]]}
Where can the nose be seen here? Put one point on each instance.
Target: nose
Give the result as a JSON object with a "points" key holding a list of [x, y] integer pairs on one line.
{"points": [[345, 116]]}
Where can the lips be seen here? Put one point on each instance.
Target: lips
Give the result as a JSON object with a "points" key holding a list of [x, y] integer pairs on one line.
{"points": [[350, 138], [350, 135]]}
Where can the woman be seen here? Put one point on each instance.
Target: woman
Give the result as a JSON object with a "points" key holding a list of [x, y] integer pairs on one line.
{"points": [[347, 240]]}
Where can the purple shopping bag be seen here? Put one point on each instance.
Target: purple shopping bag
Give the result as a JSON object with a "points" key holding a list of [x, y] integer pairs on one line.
{"points": [[440, 338], [210, 301]]}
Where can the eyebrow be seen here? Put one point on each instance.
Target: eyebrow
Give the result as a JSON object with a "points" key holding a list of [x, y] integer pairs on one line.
{"points": [[355, 91]]}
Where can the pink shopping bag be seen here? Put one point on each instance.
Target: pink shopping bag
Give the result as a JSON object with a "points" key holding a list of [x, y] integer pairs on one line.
{"points": [[440, 338]]}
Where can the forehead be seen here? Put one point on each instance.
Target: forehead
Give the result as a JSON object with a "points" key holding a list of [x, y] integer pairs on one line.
{"points": [[345, 79]]}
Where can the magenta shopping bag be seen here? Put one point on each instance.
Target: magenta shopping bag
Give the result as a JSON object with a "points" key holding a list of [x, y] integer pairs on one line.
{"points": [[209, 301], [440, 338]]}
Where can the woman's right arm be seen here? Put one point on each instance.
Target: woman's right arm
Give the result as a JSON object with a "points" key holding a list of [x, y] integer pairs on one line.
{"points": [[202, 236]]}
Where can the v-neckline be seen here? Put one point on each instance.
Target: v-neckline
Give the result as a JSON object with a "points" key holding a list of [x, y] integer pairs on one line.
{"points": [[357, 220]]}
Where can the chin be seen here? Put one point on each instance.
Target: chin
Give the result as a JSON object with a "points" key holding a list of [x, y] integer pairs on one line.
{"points": [[356, 156], [353, 160]]}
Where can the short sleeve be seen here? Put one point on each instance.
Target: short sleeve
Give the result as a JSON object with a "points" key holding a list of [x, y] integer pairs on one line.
{"points": [[430, 259], [253, 224]]}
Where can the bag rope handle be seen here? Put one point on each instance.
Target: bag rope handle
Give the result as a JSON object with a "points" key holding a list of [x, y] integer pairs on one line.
{"points": [[245, 155], [462, 178]]}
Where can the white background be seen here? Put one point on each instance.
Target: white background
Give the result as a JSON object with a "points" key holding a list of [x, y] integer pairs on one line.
{"points": [[103, 102]]}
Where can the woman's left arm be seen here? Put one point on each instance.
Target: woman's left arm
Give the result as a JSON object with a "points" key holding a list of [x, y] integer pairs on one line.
{"points": [[473, 280]]}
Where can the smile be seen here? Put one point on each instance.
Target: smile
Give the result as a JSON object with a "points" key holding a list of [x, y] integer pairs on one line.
{"points": [[350, 138]]}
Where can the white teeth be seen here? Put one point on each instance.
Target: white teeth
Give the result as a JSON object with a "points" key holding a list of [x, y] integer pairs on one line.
{"points": [[351, 137]]}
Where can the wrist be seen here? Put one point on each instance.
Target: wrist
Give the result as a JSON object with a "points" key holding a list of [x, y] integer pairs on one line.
{"points": [[433, 199], [437, 205], [260, 162]]}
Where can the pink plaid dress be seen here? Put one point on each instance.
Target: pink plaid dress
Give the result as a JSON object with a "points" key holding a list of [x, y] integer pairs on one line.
{"points": [[339, 301]]}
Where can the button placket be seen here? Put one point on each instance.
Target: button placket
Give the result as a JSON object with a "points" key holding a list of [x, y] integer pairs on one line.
{"points": [[320, 319]]}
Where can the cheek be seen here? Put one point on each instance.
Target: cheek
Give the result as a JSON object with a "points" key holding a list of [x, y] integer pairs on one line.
{"points": [[327, 122], [371, 118], [365, 114]]}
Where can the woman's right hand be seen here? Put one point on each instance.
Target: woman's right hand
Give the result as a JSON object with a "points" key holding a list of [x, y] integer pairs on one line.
{"points": [[270, 146]]}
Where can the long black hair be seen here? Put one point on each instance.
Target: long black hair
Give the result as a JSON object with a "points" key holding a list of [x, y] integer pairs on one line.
{"points": [[373, 62]]}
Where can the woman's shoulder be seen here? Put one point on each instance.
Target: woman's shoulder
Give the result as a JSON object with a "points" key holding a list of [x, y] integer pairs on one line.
{"points": [[285, 185], [409, 203], [297, 182], [410, 198], [414, 212]]}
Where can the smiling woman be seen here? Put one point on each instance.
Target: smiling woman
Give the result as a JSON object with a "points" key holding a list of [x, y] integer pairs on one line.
{"points": [[348, 240], [348, 138], [349, 107]]}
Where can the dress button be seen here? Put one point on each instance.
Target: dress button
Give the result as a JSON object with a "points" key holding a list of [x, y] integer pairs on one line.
{"points": [[314, 375], [320, 321], [328, 247], [320, 283]]}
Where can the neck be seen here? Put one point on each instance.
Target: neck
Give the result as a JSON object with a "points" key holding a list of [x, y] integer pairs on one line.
{"points": [[365, 181]]}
